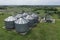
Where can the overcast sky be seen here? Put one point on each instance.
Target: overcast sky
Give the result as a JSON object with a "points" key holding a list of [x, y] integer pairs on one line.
{"points": [[29, 2]]}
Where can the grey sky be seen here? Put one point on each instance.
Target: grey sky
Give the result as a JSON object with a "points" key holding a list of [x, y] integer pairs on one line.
{"points": [[29, 2]]}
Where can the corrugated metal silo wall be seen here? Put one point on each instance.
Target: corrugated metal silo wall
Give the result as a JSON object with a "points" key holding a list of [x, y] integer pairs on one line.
{"points": [[31, 23], [9, 25], [36, 20], [21, 27]]}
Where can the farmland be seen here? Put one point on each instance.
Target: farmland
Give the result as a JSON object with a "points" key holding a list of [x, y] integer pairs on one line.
{"points": [[42, 31]]}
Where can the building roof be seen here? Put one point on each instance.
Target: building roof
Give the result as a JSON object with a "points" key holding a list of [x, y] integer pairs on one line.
{"points": [[21, 21], [25, 14], [34, 15], [19, 15], [10, 18], [29, 17]]}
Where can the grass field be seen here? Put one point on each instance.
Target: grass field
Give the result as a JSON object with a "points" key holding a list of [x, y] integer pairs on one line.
{"points": [[43, 31]]}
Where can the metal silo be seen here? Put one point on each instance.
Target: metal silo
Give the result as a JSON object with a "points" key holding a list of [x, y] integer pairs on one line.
{"points": [[25, 14], [35, 16], [31, 20], [9, 22], [19, 16], [21, 25]]}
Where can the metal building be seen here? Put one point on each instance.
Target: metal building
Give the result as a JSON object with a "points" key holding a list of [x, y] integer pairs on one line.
{"points": [[21, 25], [9, 22], [48, 18]]}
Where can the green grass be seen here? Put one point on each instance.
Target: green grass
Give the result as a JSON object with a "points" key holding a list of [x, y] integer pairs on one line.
{"points": [[43, 31]]}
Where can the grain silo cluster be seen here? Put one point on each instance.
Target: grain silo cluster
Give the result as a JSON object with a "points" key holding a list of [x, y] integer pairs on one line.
{"points": [[21, 22]]}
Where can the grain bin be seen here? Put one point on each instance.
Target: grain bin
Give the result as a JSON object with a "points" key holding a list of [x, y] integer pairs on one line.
{"points": [[31, 20], [21, 25], [9, 22], [35, 16], [25, 14], [19, 16]]}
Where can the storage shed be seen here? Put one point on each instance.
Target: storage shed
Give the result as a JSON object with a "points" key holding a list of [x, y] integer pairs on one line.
{"points": [[48, 18]]}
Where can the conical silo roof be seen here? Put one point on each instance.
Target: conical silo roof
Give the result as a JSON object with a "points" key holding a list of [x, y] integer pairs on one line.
{"points": [[29, 17], [18, 15], [34, 15], [21, 21], [10, 18], [25, 14]]}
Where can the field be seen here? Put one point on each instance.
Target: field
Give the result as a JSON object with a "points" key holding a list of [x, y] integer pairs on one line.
{"points": [[42, 31]]}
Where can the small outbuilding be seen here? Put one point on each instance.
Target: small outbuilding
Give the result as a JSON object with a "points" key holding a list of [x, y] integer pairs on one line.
{"points": [[48, 18]]}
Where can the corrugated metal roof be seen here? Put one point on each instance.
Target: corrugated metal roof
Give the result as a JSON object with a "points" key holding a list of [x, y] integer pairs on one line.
{"points": [[21, 21], [10, 18], [34, 15], [18, 15], [29, 17], [25, 14]]}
